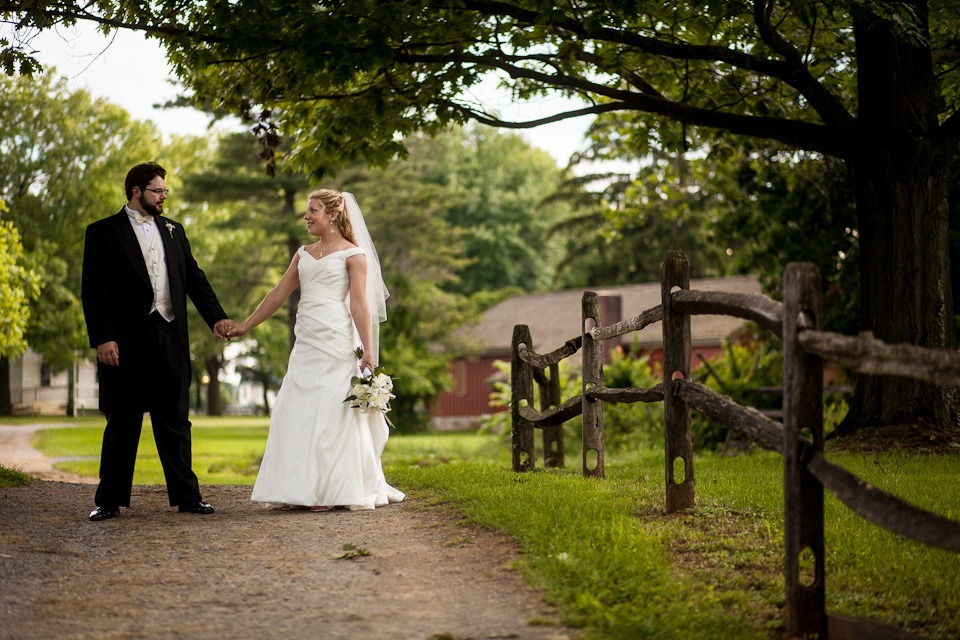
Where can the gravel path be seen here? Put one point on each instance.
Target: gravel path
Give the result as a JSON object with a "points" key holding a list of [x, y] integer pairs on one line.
{"points": [[250, 572]]}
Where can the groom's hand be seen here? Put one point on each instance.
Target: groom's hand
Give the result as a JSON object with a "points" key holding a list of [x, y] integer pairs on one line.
{"points": [[223, 327], [109, 353]]}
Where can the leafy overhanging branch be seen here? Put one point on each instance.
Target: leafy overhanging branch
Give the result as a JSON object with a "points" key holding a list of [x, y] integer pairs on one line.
{"points": [[617, 61], [804, 135], [791, 70]]}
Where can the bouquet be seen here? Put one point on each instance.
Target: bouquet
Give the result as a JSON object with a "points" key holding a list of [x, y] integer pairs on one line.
{"points": [[371, 392]]}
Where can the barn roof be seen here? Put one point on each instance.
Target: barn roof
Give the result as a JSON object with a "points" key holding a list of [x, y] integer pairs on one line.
{"points": [[554, 317]]}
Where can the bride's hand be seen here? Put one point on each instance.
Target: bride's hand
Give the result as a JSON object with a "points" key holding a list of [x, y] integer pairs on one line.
{"points": [[238, 331], [367, 363]]}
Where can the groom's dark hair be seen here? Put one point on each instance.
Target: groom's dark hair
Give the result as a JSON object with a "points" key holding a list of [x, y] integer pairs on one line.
{"points": [[141, 175]]}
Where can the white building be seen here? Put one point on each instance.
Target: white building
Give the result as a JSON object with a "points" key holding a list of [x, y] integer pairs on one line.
{"points": [[37, 390]]}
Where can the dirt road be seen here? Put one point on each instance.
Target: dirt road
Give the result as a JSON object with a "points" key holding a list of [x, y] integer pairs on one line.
{"points": [[403, 571]]}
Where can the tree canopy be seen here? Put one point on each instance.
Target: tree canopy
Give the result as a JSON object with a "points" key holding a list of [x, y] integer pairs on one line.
{"points": [[870, 82], [18, 286]]}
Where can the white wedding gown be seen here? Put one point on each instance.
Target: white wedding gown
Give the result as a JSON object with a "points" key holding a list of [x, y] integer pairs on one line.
{"points": [[320, 451]]}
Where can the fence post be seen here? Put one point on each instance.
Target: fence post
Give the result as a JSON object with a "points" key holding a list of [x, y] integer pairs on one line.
{"points": [[592, 377], [521, 381], [678, 441], [552, 436], [805, 607]]}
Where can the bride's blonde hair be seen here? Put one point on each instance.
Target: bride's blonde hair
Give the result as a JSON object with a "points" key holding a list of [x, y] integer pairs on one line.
{"points": [[332, 201]]}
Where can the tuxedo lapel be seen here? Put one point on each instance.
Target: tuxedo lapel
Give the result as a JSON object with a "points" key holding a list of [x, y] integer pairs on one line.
{"points": [[131, 246]]}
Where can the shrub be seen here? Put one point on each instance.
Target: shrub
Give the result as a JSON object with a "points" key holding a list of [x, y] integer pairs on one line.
{"points": [[739, 372], [500, 422], [625, 424], [637, 424]]}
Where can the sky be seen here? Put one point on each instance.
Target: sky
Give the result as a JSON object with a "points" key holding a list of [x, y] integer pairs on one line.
{"points": [[130, 70]]}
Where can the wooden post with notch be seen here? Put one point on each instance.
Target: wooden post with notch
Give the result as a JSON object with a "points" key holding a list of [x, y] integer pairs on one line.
{"points": [[521, 380], [592, 377], [678, 441], [552, 436], [805, 606]]}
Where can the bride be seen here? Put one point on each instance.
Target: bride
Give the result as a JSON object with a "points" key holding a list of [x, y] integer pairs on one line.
{"points": [[320, 452]]}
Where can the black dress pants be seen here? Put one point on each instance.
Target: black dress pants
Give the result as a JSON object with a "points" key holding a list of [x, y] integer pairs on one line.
{"points": [[158, 382]]}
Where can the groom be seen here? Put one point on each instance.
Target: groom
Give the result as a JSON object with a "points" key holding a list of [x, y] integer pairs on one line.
{"points": [[137, 274]]}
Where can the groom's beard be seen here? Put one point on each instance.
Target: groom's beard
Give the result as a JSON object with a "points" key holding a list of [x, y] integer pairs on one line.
{"points": [[153, 209]]}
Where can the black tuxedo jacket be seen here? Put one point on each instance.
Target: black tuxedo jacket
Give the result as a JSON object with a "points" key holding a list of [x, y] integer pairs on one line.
{"points": [[117, 295]]}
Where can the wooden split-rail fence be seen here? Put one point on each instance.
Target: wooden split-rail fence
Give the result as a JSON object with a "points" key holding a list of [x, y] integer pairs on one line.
{"points": [[799, 438]]}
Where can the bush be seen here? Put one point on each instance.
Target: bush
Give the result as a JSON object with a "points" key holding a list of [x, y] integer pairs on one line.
{"points": [[637, 424], [500, 422], [738, 373], [626, 425]]}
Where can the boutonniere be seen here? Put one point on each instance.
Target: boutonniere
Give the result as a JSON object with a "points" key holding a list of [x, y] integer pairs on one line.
{"points": [[170, 228]]}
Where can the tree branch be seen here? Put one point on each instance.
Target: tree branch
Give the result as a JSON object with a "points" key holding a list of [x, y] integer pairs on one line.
{"points": [[791, 71], [68, 15], [803, 135], [493, 121]]}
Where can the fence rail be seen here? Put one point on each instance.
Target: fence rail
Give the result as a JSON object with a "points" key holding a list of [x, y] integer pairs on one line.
{"points": [[799, 439]]}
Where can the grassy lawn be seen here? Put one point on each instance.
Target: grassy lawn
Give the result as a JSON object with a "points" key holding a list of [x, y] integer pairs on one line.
{"points": [[603, 550]]}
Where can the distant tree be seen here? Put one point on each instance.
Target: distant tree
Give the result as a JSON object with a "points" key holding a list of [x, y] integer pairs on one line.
{"points": [[625, 227], [247, 230], [499, 191], [421, 255], [18, 287], [269, 206], [786, 207], [63, 157], [252, 222]]}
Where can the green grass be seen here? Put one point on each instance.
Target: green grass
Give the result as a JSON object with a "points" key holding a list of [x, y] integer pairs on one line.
{"points": [[607, 556], [13, 477], [225, 450], [228, 450], [615, 564]]}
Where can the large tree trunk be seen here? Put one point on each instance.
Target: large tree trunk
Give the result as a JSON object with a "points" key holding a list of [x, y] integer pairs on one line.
{"points": [[900, 178]]}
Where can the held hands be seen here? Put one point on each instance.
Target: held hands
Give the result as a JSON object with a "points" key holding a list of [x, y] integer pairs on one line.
{"points": [[223, 328], [237, 331]]}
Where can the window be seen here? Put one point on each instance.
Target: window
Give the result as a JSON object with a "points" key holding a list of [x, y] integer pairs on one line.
{"points": [[44, 374]]}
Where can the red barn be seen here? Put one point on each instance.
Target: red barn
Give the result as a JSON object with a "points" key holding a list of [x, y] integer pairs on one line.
{"points": [[553, 319]]}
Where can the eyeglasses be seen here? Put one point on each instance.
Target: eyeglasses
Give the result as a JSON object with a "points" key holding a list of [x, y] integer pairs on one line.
{"points": [[165, 192]]}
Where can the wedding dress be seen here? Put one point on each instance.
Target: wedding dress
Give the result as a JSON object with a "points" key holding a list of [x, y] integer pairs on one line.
{"points": [[320, 451]]}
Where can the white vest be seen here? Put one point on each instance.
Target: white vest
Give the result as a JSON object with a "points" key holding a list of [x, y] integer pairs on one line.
{"points": [[151, 245]]}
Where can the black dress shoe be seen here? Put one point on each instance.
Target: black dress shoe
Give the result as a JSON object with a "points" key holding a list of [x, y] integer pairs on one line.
{"points": [[196, 507], [104, 513]]}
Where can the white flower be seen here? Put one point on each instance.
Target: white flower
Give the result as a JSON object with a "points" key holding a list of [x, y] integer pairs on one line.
{"points": [[371, 393], [169, 226]]}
